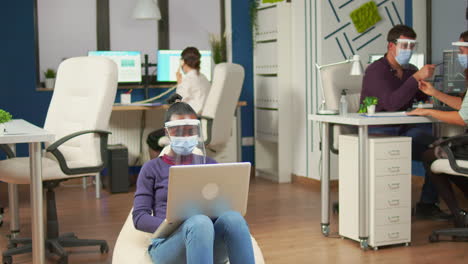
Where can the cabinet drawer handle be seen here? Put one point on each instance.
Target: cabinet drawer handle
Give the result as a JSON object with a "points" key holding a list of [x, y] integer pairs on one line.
{"points": [[394, 202], [394, 169], [394, 219], [394, 186], [394, 235], [394, 152]]}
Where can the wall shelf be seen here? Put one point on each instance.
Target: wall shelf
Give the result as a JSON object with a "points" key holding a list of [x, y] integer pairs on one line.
{"points": [[272, 88]]}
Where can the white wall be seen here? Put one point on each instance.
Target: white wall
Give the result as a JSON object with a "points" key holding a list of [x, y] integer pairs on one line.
{"points": [[128, 34], [448, 21], [313, 22], [67, 28], [60, 36]]}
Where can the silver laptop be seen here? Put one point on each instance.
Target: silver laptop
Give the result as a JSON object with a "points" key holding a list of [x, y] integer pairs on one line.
{"points": [[208, 189]]}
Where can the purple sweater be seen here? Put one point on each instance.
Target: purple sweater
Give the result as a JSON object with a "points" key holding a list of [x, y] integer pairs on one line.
{"points": [[394, 94], [149, 206]]}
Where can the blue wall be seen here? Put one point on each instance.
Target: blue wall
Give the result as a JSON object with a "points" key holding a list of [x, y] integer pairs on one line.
{"points": [[17, 69], [242, 53]]}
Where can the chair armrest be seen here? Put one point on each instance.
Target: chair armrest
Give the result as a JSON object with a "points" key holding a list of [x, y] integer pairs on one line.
{"points": [[453, 141], [209, 123], [8, 151], [103, 135], [447, 145]]}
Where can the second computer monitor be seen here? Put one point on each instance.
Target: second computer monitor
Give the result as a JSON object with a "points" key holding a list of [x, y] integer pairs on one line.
{"points": [[169, 63], [453, 74]]}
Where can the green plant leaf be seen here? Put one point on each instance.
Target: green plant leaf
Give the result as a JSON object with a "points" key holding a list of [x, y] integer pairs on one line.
{"points": [[5, 116]]}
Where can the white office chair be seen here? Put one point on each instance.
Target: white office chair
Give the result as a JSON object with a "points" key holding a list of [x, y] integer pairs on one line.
{"points": [[78, 112], [334, 80], [221, 103], [452, 166]]}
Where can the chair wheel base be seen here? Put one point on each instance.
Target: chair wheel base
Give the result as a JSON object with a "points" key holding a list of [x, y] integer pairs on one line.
{"points": [[7, 260], [433, 238]]}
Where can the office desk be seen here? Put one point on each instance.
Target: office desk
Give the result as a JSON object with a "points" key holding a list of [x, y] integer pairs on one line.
{"points": [[20, 131], [362, 122]]}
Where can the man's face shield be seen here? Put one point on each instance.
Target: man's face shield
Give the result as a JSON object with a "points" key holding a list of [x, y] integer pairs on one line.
{"points": [[404, 50], [187, 144], [406, 44]]}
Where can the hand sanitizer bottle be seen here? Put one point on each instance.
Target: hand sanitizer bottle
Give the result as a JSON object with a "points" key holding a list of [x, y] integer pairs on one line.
{"points": [[343, 103]]}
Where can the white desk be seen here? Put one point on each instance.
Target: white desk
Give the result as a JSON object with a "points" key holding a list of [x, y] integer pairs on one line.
{"points": [[362, 122], [20, 131]]}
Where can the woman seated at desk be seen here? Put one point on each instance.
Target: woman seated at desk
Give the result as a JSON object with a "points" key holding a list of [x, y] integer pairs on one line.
{"points": [[443, 181], [192, 88]]}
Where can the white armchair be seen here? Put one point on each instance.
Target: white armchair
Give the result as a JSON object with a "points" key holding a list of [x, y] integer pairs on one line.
{"points": [[452, 166], [78, 114], [221, 103]]}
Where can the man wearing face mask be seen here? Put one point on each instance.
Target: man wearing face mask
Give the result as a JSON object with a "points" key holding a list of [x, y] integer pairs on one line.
{"points": [[395, 83]]}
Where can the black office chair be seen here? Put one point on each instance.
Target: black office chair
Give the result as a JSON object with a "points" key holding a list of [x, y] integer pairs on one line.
{"points": [[455, 164]]}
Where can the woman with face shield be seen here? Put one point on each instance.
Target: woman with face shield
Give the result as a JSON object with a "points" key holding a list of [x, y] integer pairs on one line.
{"points": [[460, 117], [199, 239]]}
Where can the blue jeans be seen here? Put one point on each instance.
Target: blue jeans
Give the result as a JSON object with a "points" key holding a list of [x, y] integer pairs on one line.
{"points": [[421, 138], [202, 240]]}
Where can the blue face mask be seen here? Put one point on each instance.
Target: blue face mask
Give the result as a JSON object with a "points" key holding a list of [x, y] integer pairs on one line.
{"points": [[184, 145], [463, 59], [404, 56]]}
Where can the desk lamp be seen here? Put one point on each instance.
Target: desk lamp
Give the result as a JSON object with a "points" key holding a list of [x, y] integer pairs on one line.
{"points": [[356, 69]]}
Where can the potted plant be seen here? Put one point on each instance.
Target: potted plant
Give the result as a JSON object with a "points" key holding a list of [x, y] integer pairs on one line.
{"points": [[4, 117], [49, 78], [218, 48], [368, 105]]}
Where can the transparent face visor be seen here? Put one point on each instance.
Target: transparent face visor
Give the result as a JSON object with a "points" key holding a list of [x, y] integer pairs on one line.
{"points": [[186, 142], [406, 44]]}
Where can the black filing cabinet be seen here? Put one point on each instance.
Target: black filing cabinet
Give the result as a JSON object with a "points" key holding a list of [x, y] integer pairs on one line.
{"points": [[116, 180]]}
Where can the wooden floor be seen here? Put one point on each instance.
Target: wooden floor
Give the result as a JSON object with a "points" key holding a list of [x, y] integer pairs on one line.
{"points": [[284, 218]]}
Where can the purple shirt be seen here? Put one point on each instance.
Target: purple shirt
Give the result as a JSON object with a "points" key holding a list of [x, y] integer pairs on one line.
{"points": [[149, 206], [394, 94]]}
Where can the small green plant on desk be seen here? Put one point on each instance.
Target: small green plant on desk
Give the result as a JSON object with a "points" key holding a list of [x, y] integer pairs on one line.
{"points": [[49, 74], [4, 117], [49, 78], [368, 103]]}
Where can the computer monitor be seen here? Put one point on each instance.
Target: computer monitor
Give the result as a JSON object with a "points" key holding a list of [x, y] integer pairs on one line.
{"points": [[128, 64], [417, 59], [169, 63], [453, 73]]}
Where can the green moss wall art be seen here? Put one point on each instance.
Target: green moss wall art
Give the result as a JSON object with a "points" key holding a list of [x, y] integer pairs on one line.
{"points": [[365, 16]]}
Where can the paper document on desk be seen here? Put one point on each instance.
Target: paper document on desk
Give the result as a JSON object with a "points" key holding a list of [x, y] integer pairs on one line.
{"points": [[386, 114]]}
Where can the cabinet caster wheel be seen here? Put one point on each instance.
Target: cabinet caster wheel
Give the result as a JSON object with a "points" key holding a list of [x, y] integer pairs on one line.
{"points": [[364, 244], [104, 248], [433, 238], [325, 230], [407, 244], [7, 260]]}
